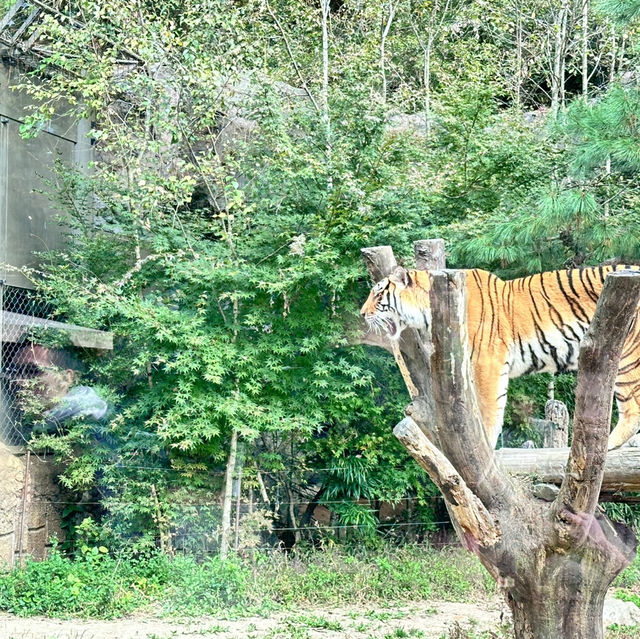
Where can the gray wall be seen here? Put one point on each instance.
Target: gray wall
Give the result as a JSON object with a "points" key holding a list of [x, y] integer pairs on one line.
{"points": [[27, 218]]}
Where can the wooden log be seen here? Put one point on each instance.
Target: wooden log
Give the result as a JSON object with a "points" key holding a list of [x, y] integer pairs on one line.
{"points": [[556, 432], [548, 465], [477, 524], [461, 432]]}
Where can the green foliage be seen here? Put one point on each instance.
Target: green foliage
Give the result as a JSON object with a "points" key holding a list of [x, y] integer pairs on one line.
{"points": [[215, 584], [623, 512], [92, 585], [334, 576], [623, 11], [630, 575]]}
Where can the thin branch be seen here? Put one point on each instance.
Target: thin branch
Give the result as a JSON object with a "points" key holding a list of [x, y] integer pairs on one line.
{"points": [[292, 57]]}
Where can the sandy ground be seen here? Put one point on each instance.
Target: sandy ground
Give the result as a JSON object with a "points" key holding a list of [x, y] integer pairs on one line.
{"points": [[431, 619]]}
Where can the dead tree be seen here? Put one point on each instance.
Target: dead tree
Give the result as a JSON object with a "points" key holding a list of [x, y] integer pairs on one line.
{"points": [[554, 560]]}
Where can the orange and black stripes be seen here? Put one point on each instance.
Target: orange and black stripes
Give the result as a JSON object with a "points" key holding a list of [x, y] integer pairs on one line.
{"points": [[530, 324]]}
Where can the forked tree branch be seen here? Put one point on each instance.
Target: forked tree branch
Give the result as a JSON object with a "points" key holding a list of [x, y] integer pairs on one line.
{"points": [[600, 351]]}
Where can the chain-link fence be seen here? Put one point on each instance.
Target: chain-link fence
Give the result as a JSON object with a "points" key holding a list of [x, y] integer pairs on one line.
{"points": [[22, 315]]}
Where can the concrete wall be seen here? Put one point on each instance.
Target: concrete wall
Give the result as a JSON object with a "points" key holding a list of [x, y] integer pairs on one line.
{"points": [[27, 218], [28, 511]]}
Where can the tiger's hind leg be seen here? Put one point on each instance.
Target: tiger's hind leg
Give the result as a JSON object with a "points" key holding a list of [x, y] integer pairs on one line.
{"points": [[627, 391]]}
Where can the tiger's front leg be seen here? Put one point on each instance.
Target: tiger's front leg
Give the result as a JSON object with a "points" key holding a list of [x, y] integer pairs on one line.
{"points": [[491, 378], [627, 426]]}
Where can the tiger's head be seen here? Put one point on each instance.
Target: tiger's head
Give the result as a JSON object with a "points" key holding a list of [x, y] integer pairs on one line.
{"points": [[399, 300]]}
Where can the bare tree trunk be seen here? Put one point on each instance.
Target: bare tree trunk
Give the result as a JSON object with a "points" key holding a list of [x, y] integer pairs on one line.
{"points": [[437, 18], [325, 7], [612, 75], [383, 44], [263, 489], [163, 525], [614, 45], [557, 74], [292, 515], [563, 57], [519, 73], [238, 504], [585, 48], [553, 560], [228, 491]]}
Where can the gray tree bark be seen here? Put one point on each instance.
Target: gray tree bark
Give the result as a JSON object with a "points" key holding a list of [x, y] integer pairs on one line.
{"points": [[553, 560], [225, 536]]}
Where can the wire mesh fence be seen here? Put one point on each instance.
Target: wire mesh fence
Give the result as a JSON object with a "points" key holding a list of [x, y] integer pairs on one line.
{"points": [[22, 315]]}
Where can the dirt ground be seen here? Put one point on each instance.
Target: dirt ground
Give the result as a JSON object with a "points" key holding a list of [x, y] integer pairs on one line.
{"points": [[429, 619]]}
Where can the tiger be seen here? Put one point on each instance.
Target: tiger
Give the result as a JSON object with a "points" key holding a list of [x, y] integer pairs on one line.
{"points": [[533, 324]]}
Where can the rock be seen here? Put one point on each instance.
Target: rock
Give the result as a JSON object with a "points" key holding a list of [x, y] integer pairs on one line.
{"points": [[634, 442], [546, 492], [622, 613]]}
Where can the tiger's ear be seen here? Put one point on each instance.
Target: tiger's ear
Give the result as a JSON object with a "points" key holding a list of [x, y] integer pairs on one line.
{"points": [[400, 276]]}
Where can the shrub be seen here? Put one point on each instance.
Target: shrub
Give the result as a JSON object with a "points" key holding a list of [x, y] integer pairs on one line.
{"points": [[92, 585]]}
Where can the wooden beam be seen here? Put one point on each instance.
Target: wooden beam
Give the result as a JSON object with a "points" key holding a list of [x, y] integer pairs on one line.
{"points": [[16, 326]]}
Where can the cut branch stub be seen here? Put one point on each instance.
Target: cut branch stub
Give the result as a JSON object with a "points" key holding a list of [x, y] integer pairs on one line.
{"points": [[429, 254], [380, 261], [462, 434], [600, 351]]}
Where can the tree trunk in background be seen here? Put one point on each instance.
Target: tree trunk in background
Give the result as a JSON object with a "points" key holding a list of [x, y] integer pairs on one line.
{"points": [[427, 88], [225, 538], [554, 560], [236, 523], [585, 49], [383, 55], [325, 7], [559, 47], [519, 73]]}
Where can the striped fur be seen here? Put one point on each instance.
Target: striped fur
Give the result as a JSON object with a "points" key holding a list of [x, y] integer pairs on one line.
{"points": [[528, 325]]}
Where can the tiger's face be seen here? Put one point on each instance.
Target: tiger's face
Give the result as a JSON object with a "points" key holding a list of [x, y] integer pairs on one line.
{"points": [[399, 300]]}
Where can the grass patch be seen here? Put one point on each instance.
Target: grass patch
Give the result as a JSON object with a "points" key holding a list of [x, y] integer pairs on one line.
{"points": [[94, 585], [630, 576], [338, 577], [100, 585]]}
